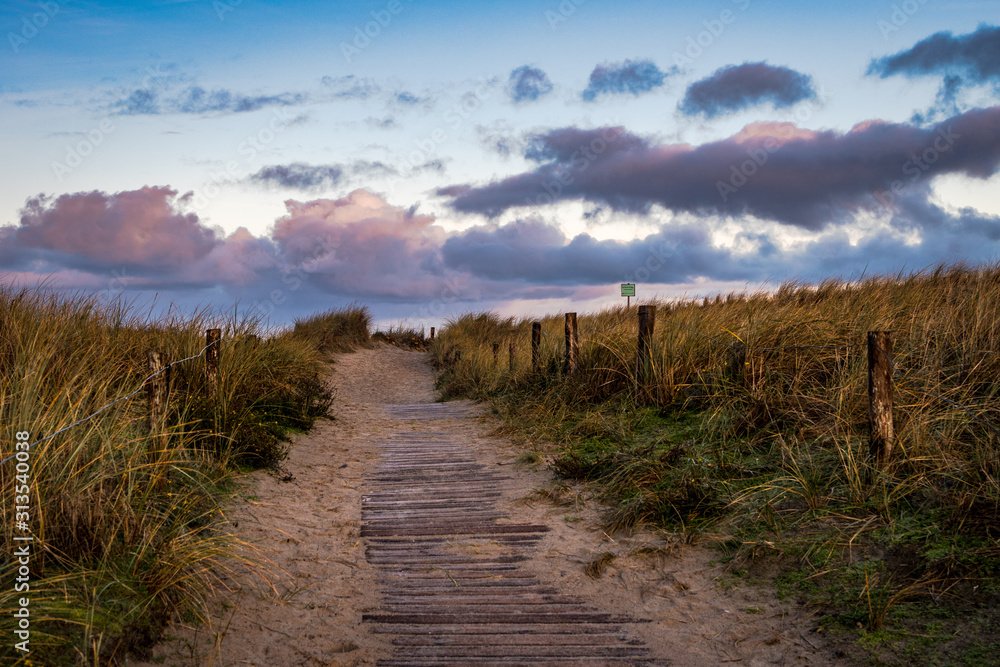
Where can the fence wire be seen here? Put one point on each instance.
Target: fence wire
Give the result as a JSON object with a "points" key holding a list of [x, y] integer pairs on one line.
{"points": [[142, 385], [907, 379]]}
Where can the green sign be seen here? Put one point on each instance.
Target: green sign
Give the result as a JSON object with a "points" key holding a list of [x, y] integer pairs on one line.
{"points": [[628, 289]]}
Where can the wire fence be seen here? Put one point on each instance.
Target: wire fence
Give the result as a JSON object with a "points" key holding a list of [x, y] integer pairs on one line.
{"points": [[142, 385]]}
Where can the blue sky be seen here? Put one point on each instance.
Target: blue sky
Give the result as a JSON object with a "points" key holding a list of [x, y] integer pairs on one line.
{"points": [[430, 158]]}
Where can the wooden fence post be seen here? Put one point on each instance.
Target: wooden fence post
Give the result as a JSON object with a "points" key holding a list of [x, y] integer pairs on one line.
{"points": [[572, 344], [212, 338], [880, 396], [432, 333], [496, 352], [156, 394], [647, 322], [511, 349], [738, 364], [536, 340]]}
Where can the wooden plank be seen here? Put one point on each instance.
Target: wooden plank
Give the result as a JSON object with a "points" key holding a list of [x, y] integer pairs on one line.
{"points": [[520, 639], [496, 617], [454, 590], [486, 631]]}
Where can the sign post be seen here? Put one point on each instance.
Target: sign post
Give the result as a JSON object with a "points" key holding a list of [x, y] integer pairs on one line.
{"points": [[628, 290]]}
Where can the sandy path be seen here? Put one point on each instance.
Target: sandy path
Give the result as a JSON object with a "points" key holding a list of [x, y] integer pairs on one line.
{"points": [[309, 527]]}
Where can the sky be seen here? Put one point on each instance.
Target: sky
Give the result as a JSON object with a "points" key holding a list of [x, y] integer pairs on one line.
{"points": [[430, 158]]}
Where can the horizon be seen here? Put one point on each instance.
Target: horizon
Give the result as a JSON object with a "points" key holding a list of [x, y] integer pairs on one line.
{"points": [[431, 159]]}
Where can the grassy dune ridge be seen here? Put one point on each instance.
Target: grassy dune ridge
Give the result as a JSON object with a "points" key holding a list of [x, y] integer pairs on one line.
{"points": [[765, 450], [114, 555]]}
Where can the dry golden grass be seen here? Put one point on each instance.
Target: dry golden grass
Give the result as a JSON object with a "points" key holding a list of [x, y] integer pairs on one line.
{"points": [[113, 553], [777, 383]]}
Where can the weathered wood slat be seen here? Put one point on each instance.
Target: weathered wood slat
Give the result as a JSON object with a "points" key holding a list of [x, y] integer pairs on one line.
{"points": [[457, 631], [508, 639], [513, 661], [454, 591], [530, 651]]}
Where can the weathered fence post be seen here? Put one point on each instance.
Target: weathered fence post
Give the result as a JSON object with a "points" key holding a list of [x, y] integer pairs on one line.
{"points": [[212, 338], [647, 321], [511, 350], [880, 396], [572, 344], [738, 360], [536, 340], [432, 333], [496, 352], [156, 394]]}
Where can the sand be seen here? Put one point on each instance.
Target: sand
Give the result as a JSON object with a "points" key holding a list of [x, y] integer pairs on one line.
{"points": [[307, 523]]}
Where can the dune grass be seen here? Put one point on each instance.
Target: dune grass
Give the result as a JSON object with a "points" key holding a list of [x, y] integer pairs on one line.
{"points": [[337, 330], [115, 554], [749, 430], [402, 336]]}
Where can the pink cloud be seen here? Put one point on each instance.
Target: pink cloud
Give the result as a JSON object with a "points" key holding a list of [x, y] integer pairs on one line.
{"points": [[139, 227], [363, 244]]}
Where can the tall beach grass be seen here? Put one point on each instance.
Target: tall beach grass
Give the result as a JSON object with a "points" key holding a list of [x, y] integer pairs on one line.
{"points": [[114, 554], [750, 425]]}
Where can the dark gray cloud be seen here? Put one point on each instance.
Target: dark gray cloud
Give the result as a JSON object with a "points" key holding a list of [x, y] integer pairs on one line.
{"points": [[962, 62], [773, 171], [738, 87], [975, 56], [634, 77], [527, 84], [299, 176], [532, 251], [315, 178]]}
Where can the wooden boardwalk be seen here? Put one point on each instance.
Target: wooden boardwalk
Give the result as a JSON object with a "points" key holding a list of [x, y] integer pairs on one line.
{"points": [[453, 587]]}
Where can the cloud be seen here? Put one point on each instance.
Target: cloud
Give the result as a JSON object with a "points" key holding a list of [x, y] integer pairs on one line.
{"points": [[975, 56], [532, 251], [299, 176], [138, 239], [359, 245], [738, 87], [405, 99], [771, 171], [374, 248], [313, 178], [499, 137], [634, 77], [962, 62], [386, 123], [527, 84], [350, 87], [197, 100], [370, 168], [140, 229], [362, 247]]}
